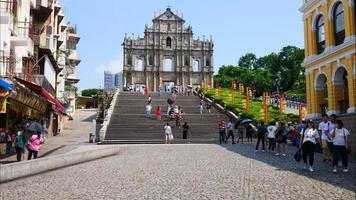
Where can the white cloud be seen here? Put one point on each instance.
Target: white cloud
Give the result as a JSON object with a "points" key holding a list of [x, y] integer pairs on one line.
{"points": [[113, 66]]}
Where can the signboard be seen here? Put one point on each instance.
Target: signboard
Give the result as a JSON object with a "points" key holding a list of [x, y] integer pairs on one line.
{"points": [[29, 98]]}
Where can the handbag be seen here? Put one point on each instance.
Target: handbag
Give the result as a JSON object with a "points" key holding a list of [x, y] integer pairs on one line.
{"points": [[171, 137], [298, 156], [348, 148]]}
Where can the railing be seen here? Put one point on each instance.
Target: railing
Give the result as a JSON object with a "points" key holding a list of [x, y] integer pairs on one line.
{"points": [[8, 6], [7, 66], [25, 29]]}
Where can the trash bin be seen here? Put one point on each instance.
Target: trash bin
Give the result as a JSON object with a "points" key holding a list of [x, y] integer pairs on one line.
{"points": [[91, 137]]}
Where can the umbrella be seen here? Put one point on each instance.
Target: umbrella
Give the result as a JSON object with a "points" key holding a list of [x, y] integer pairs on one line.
{"points": [[246, 121], [36, 127]]}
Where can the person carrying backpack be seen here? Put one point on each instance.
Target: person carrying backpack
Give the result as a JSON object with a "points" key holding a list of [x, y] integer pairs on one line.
{"points": [[20, 143]]}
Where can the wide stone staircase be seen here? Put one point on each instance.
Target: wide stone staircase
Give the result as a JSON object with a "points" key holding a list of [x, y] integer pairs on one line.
{"points": [[129, 123]]}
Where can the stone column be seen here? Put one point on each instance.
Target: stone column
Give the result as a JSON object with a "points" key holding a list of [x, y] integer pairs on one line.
{"points": [[349, 10], [351, 66]]}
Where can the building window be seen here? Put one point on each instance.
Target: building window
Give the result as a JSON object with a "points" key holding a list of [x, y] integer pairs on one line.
{"points": [[150, 60], [186, 61], [169, 42], [139, 65], [168, 27], [129, 60], [168, 65], [339, 24], [196, 66], [207, 62], [320, 34]]}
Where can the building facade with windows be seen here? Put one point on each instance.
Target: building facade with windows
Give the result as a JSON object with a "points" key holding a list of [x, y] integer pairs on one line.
{"points": [[112, 81], [330, 58], [167, 55]]}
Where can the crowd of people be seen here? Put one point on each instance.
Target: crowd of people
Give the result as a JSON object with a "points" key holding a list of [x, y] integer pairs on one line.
{"points": [[330, 137], [24, 141]]}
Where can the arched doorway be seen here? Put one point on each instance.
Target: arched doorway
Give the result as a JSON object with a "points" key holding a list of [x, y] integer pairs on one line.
{"points": [[341, 88], [196, 65], [321, 94]]}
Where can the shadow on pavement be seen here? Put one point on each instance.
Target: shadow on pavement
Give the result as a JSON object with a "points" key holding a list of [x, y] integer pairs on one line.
{"points": [[90, 118], [322, 170]]}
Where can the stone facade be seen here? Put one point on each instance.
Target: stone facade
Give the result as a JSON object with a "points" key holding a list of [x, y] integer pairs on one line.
{"points": [[167, 55]]}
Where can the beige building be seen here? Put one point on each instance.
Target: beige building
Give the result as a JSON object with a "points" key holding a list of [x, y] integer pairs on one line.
{"points": [[167, 55]]}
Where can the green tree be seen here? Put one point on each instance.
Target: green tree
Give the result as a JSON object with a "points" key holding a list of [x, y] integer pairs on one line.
{"points": [[248, 61], [90, 92]]}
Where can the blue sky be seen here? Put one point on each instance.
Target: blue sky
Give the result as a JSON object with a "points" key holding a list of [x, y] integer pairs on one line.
{"points": [[237, 27]]}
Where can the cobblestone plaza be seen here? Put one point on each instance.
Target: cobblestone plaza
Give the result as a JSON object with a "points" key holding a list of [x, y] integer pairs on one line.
{"points": [[187, 172]]}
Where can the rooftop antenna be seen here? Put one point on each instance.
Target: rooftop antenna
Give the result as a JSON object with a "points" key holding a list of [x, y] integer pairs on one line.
{"points": [[154, 14]]}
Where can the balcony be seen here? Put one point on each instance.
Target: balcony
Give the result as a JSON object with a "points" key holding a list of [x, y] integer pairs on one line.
{"points": [[23, 36], [41, 10], [8, 12], [8, 6]]}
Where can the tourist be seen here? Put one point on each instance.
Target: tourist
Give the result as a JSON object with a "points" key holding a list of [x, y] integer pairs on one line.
{"points": [[168, 133], [149, 99], [34, 145], [281, 139], [20, 144], [241, 130], [309, 139], [159, 92], [208, 107], [230, 129], [222, 131], [341, 145], [325, 128], [271, 136], [201, 108], [249, 132], [261, 135], [148, 110], [185, 130], [8, 141], [158, 113]]}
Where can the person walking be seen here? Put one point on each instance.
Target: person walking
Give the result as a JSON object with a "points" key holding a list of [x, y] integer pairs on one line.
{"points": [[309, 139], [158, 113], [208, 107], [185, 130], [271, 136], [201, 108], [148, 110], [168, 133], [249, 132], [241, 132], [230, 129], [34, 145], [222, 131], [325, 128], [340, 148], [20, 143], [281, 139], [261, 135], [8, 141]]}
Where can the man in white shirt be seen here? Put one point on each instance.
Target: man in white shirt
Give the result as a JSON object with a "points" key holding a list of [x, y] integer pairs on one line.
{"points": [[325, 128]]}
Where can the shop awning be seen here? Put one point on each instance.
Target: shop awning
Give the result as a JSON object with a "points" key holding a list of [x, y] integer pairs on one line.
{"points": [[6, 85], [42, 92]]}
